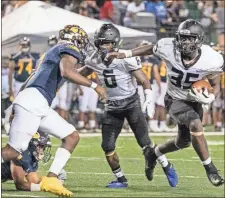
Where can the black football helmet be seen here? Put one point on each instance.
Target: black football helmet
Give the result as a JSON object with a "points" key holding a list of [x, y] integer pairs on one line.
{"points": [[40, 147], [189, 37], [25, 45], [107, 33], [52, 40]]}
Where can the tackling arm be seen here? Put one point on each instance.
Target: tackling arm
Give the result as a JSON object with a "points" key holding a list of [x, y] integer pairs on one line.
{"points": [[84, 71], [142, 78]]}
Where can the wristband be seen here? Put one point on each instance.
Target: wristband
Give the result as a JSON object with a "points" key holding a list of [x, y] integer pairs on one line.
{"points": [[128, 53], [93, 85], [35, 187], [147, 91]]}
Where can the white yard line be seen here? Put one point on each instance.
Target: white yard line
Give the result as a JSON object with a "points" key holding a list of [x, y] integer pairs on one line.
{"points": [[17, 195], [131, 134], [95, 173]]}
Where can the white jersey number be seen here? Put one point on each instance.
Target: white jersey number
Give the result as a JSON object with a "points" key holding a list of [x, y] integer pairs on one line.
{"points": [[177, 80], [109, 78]]}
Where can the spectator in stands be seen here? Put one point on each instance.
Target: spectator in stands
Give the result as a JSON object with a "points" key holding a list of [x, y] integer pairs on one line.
{"points": [[132, 9], [83, 10], [120, 8], [106, 10], [220, 24], [93, 10], [177, 10]]}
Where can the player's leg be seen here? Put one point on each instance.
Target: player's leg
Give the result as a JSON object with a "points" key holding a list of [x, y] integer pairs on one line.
{"points": [[23, 127], [92, 105], [139, 125], [217, 104], [83, 103], [161, 108], [111, 128]]}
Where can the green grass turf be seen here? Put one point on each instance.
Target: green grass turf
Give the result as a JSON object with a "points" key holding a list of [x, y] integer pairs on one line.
{"points": [[88, 172]]}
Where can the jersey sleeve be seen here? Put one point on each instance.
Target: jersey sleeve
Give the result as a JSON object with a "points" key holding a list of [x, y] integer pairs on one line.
{"points": [[71, 50], [163, 48], [218, 66], [132, 64]]}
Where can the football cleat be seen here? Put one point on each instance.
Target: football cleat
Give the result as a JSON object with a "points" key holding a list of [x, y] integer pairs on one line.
{"points": [[213, 175], [150, 162], [117, 184], [171, 174], [54, 186]]}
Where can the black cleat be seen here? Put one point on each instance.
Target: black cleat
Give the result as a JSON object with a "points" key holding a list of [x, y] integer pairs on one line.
{"points": [[150, 162], [213, 175]]}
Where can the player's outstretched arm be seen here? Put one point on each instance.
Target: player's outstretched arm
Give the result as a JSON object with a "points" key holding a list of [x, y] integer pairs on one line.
{"points": [[68, 71], [84, 71], [148, 104], [139, 51]]}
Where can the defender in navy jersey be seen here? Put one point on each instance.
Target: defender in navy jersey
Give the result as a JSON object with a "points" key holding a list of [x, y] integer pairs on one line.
{"points": [[32, 110], [21, 66], [188, 60]]}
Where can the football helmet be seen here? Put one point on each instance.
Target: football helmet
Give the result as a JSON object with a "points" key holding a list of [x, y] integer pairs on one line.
{"points": [[52, 40], [76, 35], [40, 147], [189, 37], [25, 45]]}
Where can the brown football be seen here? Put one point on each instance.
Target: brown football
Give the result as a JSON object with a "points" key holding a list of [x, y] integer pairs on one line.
{"points": [[201, 85]]}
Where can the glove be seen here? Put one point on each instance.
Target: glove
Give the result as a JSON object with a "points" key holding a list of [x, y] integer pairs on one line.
{"points": [[148, 104], [202, 97]]}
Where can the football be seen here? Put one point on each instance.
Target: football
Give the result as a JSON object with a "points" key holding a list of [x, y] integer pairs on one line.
{"points": [[201, 85]]}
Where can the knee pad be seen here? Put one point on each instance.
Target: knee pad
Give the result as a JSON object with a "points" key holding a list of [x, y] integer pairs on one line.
{"points": [[182, 143], [195, 125], [108, 148]]}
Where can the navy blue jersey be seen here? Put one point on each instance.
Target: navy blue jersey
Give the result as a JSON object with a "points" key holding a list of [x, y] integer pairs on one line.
{"points": [[47, 77], [148, 62], [24, 64], [28, 162]]}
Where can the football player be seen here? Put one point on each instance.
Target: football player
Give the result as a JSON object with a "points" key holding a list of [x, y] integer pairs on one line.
{"points": [[119, 78], [88, 104], [38, 152], [188, 61], [150, 66], [32, 110], [21, 66], [52, 41]]}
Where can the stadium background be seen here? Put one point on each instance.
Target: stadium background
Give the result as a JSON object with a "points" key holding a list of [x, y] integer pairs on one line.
{"points": [[155, 24]]}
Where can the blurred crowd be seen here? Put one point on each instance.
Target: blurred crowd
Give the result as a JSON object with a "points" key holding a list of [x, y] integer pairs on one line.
{"points": [[80, 105], [167, 13]]}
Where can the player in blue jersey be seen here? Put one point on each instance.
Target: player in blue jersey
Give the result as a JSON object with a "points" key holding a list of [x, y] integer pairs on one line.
{"points": [[21, 65], [38, 151], [32, 110]]}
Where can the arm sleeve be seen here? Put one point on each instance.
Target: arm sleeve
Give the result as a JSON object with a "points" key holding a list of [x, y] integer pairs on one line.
{"points": [[71, 50], [218, 68], [132, 64]]}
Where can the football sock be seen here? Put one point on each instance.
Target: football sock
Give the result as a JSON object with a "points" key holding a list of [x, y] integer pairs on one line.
{"points": [[35, 187], [207, 162], [61, 157], [81, 124], [161, 158], [92, 124], [118, 173]]}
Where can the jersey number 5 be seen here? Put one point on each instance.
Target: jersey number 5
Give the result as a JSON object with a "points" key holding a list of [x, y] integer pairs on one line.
{"points": [[177, 80], [109, 78]]}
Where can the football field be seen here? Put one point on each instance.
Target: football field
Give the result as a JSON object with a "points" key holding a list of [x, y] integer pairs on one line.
{"points": [[88, 171]]}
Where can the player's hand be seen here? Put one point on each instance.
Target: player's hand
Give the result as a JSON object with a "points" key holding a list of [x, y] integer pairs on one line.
{"points": [[11, 96], [102, 93], [148, 104], [110, 56], [202, 97]]}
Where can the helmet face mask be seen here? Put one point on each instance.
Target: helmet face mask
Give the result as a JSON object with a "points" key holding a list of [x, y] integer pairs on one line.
{"points": [[189, 38], [24, 45], [107, 39], [40, 147]]}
